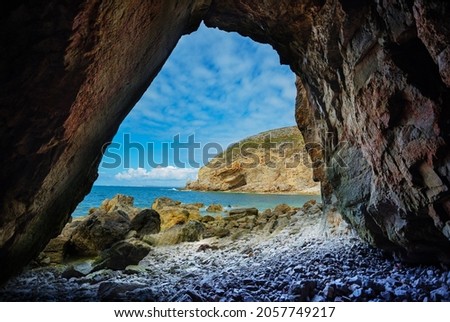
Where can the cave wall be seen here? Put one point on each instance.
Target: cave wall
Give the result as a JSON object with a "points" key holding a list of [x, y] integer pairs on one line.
{"points": [[373, 103], [373, 80], [70, 72]]}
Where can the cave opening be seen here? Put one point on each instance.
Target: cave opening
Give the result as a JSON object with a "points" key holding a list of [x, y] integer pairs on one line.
{"points": [[81, 69], [216, 89]]}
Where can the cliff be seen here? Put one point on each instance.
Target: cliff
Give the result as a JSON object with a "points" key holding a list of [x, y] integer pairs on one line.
{"points": [[271, 161], [373, 94]]}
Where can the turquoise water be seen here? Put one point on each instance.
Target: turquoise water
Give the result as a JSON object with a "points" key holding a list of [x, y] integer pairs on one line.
{"points": [[144, 196]]}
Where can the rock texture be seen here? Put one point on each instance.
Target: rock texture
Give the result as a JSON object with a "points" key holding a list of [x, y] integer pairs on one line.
{"points": [[99, 231], [173, 212], [372, 73], [271, 161], [70, 72], [122, 254], [291, 263], [373, 92]]}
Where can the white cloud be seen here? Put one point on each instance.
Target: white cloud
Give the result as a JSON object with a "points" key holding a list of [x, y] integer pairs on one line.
{"points": [[217, 78], [162, 173]]}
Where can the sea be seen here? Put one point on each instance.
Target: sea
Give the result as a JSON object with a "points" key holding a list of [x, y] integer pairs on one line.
{"points": [[144, 197]]}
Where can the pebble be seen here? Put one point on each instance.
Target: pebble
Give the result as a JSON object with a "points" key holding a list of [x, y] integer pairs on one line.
{"points": [[284, 266]]}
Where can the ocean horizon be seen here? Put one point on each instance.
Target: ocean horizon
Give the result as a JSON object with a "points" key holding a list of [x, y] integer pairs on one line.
{"points": [[145, 195]]}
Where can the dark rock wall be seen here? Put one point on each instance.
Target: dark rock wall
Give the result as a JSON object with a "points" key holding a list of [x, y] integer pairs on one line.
{"points": [[70, 72], [373, 101], [373, 95]]}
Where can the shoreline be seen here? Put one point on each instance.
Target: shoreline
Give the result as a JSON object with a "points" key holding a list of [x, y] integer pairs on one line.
{"points": [[144, 196], [284, 193], [299, 261], [288, 193]]}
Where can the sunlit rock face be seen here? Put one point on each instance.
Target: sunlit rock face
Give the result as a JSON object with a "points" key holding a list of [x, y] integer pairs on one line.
{"points": [[373, 93]]}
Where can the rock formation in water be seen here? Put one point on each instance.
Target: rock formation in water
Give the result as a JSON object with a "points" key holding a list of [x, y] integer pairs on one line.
{"points": [[373, 101], [271, 161]]}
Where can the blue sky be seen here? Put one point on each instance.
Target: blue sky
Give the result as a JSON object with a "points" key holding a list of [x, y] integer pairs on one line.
{"points": [[217, 87]]}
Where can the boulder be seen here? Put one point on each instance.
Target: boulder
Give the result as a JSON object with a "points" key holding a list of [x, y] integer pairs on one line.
{"points": [[309, 204], [122, 254], [192, 231], [57, 250], [242, 212], [72, 272], [98, 232], [119, 202], [214, 208], [163, 202], [222, 232], [189, 232], [173, 212], [207, 219], [197, 204], [146, 222], [282, 209]]}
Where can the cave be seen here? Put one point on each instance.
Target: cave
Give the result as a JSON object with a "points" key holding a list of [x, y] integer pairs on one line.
{"points": [[374, 75]]}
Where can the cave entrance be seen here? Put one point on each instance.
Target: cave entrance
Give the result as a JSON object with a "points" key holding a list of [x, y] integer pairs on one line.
{"points": [[215, 89]]}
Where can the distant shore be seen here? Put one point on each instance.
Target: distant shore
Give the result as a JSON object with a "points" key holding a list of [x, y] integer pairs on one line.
{"points": [[144, 196], [289, 193], [284, 254]]}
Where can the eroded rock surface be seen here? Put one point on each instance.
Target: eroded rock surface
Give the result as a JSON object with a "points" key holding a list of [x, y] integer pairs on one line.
{"points": [[372, 74], [372, 102], [70, 72], [271, 161]]}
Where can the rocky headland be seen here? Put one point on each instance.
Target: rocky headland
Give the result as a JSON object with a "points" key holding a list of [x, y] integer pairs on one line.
{"points": [[171, 253], [273, 161]]}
